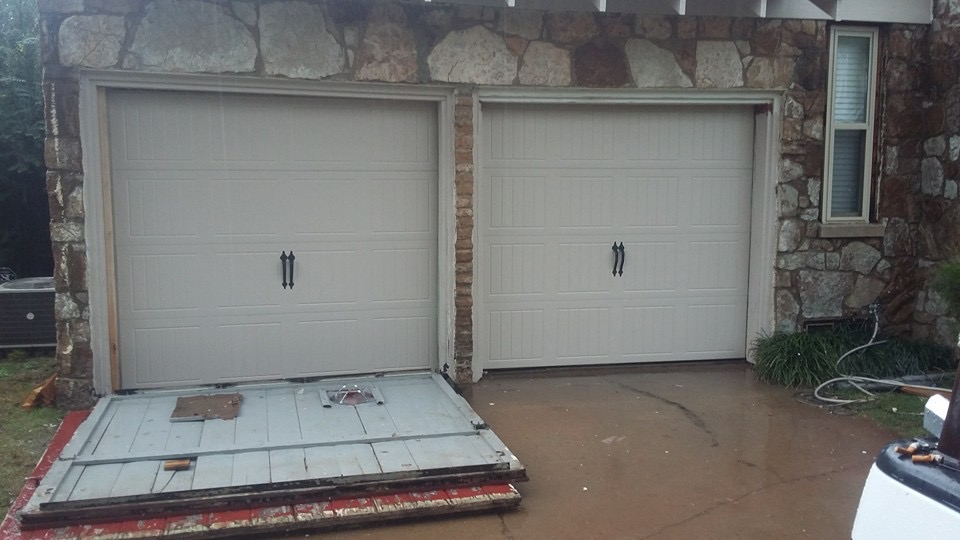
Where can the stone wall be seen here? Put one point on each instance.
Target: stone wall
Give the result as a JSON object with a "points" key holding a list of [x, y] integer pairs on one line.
{"points": [[924, 144], [465, 46]]}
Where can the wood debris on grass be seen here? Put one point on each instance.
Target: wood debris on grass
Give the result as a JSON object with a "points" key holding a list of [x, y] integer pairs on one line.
{"points": [[45, 394]]}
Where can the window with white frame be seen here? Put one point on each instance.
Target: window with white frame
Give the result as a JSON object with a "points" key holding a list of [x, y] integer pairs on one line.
{"points": [[850, 116]]}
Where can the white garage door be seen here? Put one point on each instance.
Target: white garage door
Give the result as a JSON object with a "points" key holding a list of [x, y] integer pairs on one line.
{"points": [[210, 190], [562, 185]]}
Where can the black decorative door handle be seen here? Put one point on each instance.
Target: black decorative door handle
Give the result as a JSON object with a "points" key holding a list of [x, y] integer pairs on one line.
{"points": [[623, 257], [291, 259], [616, 257], [283, 264]]}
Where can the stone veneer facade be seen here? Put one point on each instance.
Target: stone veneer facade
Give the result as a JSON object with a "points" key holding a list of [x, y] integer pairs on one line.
{"points": [[918, 139]]}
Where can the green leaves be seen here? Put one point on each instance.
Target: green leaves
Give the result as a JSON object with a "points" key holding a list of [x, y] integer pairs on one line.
{"points": [[24, 211], [806, 359], [21, 100], [946, 282]]}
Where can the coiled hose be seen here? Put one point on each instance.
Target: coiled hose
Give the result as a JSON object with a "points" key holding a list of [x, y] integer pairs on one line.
{"points": [[857, 381]]}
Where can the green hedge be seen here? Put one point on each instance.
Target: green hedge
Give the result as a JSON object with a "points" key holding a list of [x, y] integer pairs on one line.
{"points": [[806, 359]]}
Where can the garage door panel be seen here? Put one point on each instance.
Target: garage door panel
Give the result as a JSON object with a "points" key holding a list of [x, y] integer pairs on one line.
{"points": [[320, 206], [402, 205], [405, 341], [402, 274], [372, 137], [649, 330], [717, 266], [395, 133], [329, 346], [230, 279], [585, 202], [155, 208], [636, 176], [516, 202], [719, 135], [176, 345], [584, 333], [246, 351], [517, 269], [650, 267], [348, 185], [713, 328], [266, 194], [582, 137], [516, 335], [719, 201], [649, 201], [583, 270], [326, 277], [654, 136], [521, 137], [155, 283], [308, 144], [177, 137], [243, 131]]}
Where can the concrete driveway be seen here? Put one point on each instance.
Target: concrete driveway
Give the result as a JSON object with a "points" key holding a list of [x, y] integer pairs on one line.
{"points": [[701, 451]]}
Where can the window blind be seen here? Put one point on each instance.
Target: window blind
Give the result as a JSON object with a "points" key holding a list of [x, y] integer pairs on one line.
{"points": [[851, 79], [847, 191]]}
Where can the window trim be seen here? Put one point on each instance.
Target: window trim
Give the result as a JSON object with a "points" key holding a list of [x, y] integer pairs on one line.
{"points": [[868, 126]]}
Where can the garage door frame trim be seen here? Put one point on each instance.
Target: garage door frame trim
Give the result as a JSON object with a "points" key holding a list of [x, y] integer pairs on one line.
{"points": [[760, 288], [98, 221]]}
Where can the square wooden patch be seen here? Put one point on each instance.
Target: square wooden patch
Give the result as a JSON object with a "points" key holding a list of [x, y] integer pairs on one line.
{"points": [[190, 408]]}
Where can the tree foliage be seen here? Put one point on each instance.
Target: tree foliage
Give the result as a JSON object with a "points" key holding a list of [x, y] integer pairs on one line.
{"points": [[24, 214]]}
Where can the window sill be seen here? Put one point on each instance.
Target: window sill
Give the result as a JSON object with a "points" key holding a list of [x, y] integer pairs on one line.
{"points": [[851, 230]]}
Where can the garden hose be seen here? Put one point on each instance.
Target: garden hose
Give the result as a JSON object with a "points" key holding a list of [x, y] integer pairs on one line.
{"points": [[856, 381]]}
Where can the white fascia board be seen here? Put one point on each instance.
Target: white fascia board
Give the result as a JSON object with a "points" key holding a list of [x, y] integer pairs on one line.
{"points": [[891, 11], [894, 11], [644, 7], [759, 8], [801, 9], [727, 8]]}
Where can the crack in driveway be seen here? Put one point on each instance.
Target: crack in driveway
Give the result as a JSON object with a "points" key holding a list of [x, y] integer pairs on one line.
{"points": [[692, 416], [727, 502]]}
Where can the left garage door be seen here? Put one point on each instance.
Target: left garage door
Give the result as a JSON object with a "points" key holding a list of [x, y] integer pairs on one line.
{"points": [[209, 190]]}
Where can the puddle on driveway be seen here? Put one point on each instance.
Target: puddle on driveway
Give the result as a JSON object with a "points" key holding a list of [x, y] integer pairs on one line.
{"points": [[688, 451]]}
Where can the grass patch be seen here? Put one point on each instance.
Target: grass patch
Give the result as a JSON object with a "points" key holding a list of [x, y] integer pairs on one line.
{"points": [[23, 434], [806, 359], [900, 413]]}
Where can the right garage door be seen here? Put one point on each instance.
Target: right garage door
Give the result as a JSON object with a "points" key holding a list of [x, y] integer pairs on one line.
{"points": [[612, 234]]}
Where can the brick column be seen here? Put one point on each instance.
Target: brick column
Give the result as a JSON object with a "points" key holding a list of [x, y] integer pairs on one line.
{"points": [[62, 154], [463, 298]]}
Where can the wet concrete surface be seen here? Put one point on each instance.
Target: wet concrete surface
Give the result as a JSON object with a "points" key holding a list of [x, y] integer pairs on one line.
{"points": [[699, 451]]}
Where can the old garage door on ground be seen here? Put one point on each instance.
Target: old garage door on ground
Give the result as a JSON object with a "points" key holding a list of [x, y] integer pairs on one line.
{"points": [[208, 190], [560, 185]]}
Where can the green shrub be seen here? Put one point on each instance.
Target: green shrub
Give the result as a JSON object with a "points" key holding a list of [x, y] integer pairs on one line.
{"points": [[946, 281], [810, 358]]}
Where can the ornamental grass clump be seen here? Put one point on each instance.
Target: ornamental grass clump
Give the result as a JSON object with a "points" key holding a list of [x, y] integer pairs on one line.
{"points": [[806, 359]]}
